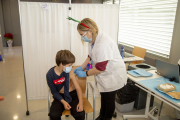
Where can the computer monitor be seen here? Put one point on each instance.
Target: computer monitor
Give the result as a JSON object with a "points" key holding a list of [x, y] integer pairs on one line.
{"points": [[168, 70]]}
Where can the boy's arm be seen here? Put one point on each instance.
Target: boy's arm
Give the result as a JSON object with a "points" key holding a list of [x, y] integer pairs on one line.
{"points": [[77, 87]]}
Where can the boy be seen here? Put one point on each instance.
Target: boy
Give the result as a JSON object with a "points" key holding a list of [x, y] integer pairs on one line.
{"points": [[64, 87]]}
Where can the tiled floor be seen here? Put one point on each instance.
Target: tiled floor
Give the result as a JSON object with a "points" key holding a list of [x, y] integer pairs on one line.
{"points": [[12, 85]]}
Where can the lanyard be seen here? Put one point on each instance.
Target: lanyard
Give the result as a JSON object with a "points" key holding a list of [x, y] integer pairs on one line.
{"points": [[91, 53]]}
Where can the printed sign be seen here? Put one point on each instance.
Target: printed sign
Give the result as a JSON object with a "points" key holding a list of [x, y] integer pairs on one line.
{"points": [[59, 81]]}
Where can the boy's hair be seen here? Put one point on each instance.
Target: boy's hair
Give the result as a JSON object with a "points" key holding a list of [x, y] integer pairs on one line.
{"points": [[64, 57]]}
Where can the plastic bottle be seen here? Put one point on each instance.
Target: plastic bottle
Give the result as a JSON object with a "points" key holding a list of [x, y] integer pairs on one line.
{"points": [[122, 52], [0, 57], [87, 68]]}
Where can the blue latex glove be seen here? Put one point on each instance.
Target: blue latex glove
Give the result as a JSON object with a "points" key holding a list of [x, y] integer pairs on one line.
{"points": [[78, 69], [80, 73]]}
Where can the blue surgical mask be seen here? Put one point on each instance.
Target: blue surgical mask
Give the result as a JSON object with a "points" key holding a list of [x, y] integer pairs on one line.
{"points": [[67, 69], [87, 39]]}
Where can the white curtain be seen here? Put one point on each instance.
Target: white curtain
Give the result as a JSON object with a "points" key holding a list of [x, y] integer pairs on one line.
{"points": [[45, 30]]}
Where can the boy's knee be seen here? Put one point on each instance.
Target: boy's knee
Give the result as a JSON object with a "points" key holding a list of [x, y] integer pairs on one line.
{"points": [[55, 115], [79, 115]]}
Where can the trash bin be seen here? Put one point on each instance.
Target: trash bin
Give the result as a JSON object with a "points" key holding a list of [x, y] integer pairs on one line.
{"points": [[125, 97]]}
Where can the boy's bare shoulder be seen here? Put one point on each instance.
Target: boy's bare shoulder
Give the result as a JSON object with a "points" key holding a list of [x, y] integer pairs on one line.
{"points": [[71, 74]]}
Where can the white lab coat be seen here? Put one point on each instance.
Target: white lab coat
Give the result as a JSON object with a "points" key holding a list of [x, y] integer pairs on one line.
{"points": [[115, 75]]}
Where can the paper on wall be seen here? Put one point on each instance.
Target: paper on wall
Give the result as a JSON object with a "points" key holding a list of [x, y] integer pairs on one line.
{"points": [[45, 6]]}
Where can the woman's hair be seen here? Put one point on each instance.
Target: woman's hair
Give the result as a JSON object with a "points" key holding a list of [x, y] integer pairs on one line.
{"points": [[64, 57], [91, 24]]}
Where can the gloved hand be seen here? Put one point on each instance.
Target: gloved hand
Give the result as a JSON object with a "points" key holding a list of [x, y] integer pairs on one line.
{"points": [[80, 73], [78, 69]]}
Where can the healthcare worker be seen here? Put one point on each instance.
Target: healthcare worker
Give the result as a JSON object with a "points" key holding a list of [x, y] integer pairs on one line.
{"points": [[108, 67]]}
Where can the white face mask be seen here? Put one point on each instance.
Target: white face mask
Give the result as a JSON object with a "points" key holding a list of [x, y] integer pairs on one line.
{"points": [[67, 69]]}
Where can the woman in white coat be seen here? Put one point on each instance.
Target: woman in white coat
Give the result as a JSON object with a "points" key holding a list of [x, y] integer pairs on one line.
{"points": [[108, 67]]}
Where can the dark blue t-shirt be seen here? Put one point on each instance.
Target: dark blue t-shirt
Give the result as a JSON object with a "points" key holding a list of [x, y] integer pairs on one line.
{"points": [[56, 83]]}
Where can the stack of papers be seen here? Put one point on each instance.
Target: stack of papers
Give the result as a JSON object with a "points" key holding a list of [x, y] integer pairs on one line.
{"points": [[140, 73]]}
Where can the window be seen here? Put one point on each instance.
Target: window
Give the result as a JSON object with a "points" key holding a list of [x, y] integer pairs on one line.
{"points": [[107, 1], [116, 1], [111, 1], [148, 24]]}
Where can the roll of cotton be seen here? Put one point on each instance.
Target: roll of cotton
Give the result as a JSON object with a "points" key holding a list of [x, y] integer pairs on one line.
{"points": [[166, 87]]}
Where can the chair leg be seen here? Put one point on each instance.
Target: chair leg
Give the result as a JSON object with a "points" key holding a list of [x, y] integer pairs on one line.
{"points": [[93, 99], [160, 108], [49, 102], [86, 116], [114, 115]]}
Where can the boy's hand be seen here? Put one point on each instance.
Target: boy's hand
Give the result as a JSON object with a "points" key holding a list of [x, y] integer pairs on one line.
{"points": [[79, 108], [66, 105]]}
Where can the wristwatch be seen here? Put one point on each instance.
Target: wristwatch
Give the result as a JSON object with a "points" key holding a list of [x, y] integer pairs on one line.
{"points": [[87, 73]]}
